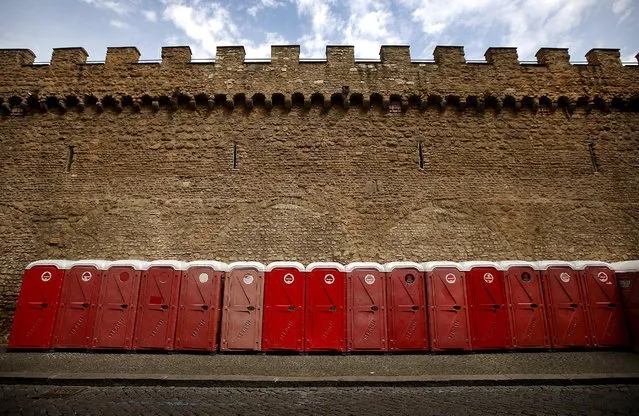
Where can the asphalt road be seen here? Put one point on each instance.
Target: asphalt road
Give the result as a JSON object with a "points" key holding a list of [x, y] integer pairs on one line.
{"points": [[511, 400]]}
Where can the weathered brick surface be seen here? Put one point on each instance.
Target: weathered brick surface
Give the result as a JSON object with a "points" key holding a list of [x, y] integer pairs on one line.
{"points": [[316, 184]]}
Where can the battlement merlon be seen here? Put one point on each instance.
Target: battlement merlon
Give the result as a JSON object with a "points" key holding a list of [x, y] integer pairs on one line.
{"points": [[68, 58], [16, 57], [122, 55], [606, 58], [394, 73], [502, 57]]}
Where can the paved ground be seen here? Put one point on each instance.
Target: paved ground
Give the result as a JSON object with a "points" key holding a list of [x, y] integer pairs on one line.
{"points": [[302, 367], [531, 400]]}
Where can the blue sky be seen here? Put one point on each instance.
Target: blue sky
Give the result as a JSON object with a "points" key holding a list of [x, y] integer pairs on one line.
{"points": [[580, 25]]}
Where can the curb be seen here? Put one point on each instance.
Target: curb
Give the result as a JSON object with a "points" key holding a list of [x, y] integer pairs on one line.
{"points": [[288, 382]]}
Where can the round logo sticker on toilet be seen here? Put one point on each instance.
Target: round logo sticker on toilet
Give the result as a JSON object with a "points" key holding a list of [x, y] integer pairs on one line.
{"points": [[603, 277], [329, 279], [289, 278], [369, 279], [565, 277], [451, 278], [488, 278], [46, 276], [86, 276], [248, 279], [203, 277]]}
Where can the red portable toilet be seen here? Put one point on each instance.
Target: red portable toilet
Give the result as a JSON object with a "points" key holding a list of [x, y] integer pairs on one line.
{"points": [[448, 308], [526, 308], [74, 323], [488, 312], [283, 324], [37, 304], [366, 299], [200, 306], [406, 307], [243, 307], [118, 305], [627, 273], [158, 305], [565, 305], [325, 307], [603, 304]]}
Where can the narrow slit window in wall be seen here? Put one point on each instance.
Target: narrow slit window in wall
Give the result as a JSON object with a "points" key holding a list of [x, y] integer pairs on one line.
{"points": [[70, 152], [593, 158], [234, 155], [420, 155]]}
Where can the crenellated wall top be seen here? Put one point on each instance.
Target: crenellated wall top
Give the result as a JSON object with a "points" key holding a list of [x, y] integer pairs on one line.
{"points": [[123, 74]]}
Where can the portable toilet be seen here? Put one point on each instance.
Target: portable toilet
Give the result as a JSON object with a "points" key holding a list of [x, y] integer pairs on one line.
{"points": [[243, 307], [284, 290], [627, 273], [366, 328], [488, 312], [407, 314], [75, 321], [37, 305], [325, 323], [448, 319], [118, 305], [603, 304], [199, 307], [565, 305], [158, 305], [526, 306]]}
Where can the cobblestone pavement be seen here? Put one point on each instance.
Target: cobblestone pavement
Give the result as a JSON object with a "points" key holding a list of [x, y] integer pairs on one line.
{"points": [[512, 400]]}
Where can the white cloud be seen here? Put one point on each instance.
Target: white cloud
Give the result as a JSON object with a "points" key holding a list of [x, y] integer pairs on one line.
{"points": [[263, 49], [119, 24], [120, 7], [171, 40], [324, 22], [263, 4], [211, 25], [622, 8], [150, 15], [369, 26], [527, 24]]}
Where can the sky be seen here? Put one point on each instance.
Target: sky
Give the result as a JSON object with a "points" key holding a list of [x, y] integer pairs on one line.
{"points": [[41, 25]]}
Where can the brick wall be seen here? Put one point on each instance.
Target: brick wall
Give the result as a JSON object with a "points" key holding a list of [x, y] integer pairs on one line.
{"points": [[316, 183]]}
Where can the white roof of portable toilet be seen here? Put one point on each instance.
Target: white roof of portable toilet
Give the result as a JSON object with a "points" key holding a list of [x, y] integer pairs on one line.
{"points": [[247, 265], [214, 264], [467, 265], [175, 264], [507, 264], [626, 266], [389, 267], [285, 265], [429, 266], [135, 264], [363, 265], [325, 265], [60, 264], [546, 264], [581, 265], [98, 264]]}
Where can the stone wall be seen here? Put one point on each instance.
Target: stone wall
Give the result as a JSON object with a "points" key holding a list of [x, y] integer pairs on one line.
{"points": [[318, 180]]}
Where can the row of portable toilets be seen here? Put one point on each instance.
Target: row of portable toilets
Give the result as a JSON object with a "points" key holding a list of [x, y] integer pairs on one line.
{"points": [[285, 306]]}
